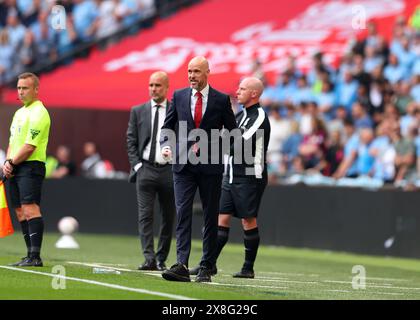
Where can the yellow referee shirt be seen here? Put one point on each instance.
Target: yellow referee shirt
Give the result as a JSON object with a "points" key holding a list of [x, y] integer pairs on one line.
{"points": [[30, 125]]}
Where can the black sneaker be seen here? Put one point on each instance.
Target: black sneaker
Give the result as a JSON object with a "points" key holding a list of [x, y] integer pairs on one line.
{"points": [[178, 272], [244, 273], [16, 264], [204, 275], [31, 262], [194, 271]]}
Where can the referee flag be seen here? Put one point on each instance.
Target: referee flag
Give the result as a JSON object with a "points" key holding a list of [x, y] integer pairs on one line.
{"points": [[6, 227]]}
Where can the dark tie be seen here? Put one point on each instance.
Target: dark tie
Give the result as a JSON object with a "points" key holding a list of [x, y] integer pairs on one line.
{"points": [[198, 113], [152, 155]]}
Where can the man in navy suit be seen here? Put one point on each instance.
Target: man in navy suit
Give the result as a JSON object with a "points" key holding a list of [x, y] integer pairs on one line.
{"points": [[199, 106]]}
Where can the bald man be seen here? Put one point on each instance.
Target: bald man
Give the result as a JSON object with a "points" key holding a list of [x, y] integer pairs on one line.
{"points": [[243, 187], [151, 172], [197, 107]]}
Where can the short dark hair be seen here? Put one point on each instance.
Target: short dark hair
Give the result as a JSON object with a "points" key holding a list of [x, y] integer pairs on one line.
{"points": [[34, 77]]}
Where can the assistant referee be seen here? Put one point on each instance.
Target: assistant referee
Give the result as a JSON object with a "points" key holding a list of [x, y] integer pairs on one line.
{"points": [[25, 165]]}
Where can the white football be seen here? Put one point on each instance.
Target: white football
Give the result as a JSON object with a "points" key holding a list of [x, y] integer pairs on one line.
{"points": [[68, 225]]}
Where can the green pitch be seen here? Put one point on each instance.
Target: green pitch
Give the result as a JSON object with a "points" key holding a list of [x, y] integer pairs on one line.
{"points": [[281, 273]]}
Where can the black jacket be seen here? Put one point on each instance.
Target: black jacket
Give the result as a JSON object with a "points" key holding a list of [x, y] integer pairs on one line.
{"points": [[218, 115], [251, 164]]}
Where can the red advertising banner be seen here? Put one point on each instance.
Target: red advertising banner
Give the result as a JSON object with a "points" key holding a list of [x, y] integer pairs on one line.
{"points": [[230, 33]]}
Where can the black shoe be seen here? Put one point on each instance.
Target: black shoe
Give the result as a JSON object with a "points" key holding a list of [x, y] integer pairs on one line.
{"points": [[161, 266], [148, 265], [16, 264], [178, 272], [204, 275], [194, 271], [31, 262], [244, 273]]}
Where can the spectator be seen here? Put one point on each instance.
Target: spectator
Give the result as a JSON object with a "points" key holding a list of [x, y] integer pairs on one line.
{"points": [[372, 59], [405, 155], [360, 116], [415, 90], [384, 153], [337, 124], [409, 120], [85, 13], [65, 166], [93, 166], [365, 160], [394, 71], [298, 166], [405, 55], [107, 22], [6, 57], [391, 112], [346, 90], [335, 153], [402, 96], [280, 130], [303, 92], [257, 71], [290, 149], [363, 98], [66, 40], [347, 167], [376, 100], [313, 146], [26, 54], [16, 30], [326, 100]]}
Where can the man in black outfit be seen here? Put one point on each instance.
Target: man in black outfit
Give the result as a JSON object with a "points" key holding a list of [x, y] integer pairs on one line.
{"points": [[151, 172], [199, 106]]}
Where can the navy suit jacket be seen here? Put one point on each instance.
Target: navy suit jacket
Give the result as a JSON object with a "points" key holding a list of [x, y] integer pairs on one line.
{"points": [[218, 115]]}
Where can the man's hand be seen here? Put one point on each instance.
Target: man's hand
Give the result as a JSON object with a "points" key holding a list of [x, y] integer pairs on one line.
{"points": [[7, 169], [167, 154]]}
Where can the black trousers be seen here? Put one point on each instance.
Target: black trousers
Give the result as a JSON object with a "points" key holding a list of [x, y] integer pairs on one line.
{"points": [[152, 181], [186, 183]]}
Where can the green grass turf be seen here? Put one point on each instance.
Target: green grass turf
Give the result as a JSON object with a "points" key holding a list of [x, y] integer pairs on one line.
{"points": [[281, 273]]}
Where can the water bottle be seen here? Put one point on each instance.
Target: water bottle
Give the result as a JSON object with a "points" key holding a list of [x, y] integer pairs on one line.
{"points": [[106, 270]]}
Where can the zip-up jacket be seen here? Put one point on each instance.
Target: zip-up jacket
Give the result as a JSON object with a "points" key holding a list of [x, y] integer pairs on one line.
{"points": [[255, 127]]}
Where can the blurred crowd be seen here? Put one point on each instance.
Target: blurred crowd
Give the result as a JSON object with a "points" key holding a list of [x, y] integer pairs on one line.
{"points": [[28, 36], [359, 121]]}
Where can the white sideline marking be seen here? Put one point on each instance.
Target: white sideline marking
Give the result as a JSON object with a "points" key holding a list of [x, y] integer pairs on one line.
{"points": [[100, 265], [242, 285], [275, 279], [104, 284], [390, 293], [289, 274], [387, 279], [385, 285], [386, 293], [151, 273]]}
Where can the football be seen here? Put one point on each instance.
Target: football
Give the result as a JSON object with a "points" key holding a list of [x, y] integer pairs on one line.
{"points": [[68, 225]]}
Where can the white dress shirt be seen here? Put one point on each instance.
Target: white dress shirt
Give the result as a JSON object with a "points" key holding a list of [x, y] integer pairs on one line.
{"points": [[205, 94], [146, 152]]}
